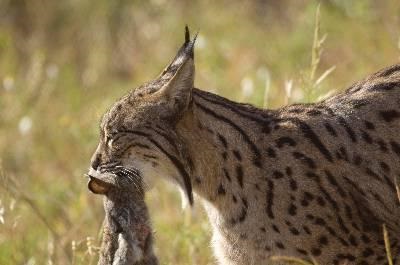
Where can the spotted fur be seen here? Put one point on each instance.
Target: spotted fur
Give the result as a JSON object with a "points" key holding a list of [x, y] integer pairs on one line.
{"points": [[306, 181]]}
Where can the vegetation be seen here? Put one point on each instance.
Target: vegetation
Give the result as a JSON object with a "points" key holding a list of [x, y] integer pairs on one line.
{"points": [[62, 63]]}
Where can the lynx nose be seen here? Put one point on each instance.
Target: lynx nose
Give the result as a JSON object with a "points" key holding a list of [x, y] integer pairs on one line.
{"points": [[96, 161]]}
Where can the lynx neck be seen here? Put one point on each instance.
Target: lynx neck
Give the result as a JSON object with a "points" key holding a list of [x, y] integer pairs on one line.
{"points": [[221, 138]]}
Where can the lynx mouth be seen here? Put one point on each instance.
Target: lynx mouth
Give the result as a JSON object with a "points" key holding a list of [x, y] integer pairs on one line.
{"points": [[119, 177]]}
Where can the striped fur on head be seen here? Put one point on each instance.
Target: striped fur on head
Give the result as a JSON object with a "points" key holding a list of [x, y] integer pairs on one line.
{"points": [[138, 132]]}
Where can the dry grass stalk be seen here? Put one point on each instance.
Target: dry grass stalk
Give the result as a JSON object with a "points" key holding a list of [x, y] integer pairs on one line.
{"points": [[387, 245], [292, 260], [11, 186]]}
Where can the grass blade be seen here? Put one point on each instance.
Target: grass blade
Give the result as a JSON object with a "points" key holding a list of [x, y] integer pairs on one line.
{"points": [[291, 260], [387, 245]]}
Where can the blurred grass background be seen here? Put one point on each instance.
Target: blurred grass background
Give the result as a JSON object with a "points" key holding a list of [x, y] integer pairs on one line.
{"points": [[62, 63]]}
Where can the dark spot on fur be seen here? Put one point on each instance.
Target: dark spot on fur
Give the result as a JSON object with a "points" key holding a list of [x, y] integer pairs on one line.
{"points": [[323, 240], [271, 152], [353, 240], [304, 159], [292, 210], [226, 174], [302, 251], [395, 147], [282, 141], [382, 145], [316, 252], [223, 140], [319, 221], [357, 160], [270, 199], [314, 112], [366, 137], [306, 229], [294, 231], [245, 204], [367, 252], [221, 190], [293, 184], [369, 125], [237, 154], [266, 129], [384, 166], [276, 229], [321, 201], [343, 152], [277, 174], [239, 175], [345, 257], [389, 115], [280, 245], [330, 129], [243, 215], [234, 199]]}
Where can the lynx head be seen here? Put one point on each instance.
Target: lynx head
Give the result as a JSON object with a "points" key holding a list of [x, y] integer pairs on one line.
{"points": [[137, 135]]}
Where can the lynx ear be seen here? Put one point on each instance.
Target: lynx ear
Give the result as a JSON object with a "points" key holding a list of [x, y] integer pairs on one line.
{"points": [[178, 77]]}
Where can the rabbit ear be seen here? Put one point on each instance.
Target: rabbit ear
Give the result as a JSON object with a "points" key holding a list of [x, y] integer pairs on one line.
{"points": [[98, 186], [102, 183]]}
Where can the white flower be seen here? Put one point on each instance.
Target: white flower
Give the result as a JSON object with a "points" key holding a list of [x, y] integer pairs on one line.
{"points": [[263, 73], [201, 42], [247, 86], [25, 125], [12, 204], [1, 213], [52, 71], [288, 88], [31, 261], [8, 83]]}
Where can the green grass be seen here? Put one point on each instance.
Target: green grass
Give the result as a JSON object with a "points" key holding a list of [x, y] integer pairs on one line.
{"points": [[63, 63]]}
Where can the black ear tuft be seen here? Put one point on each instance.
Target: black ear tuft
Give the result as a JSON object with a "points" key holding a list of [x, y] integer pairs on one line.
{"points": [[187, 34], [188, 46]]}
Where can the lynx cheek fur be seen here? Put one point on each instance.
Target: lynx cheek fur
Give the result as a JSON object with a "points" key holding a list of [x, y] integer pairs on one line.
{"points": [[307, 180]]}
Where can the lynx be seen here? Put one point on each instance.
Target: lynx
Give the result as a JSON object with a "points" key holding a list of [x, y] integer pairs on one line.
{"points": [[308, 181]]}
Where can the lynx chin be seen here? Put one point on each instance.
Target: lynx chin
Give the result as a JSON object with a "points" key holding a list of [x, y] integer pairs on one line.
{"points": [[309, 181]]}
